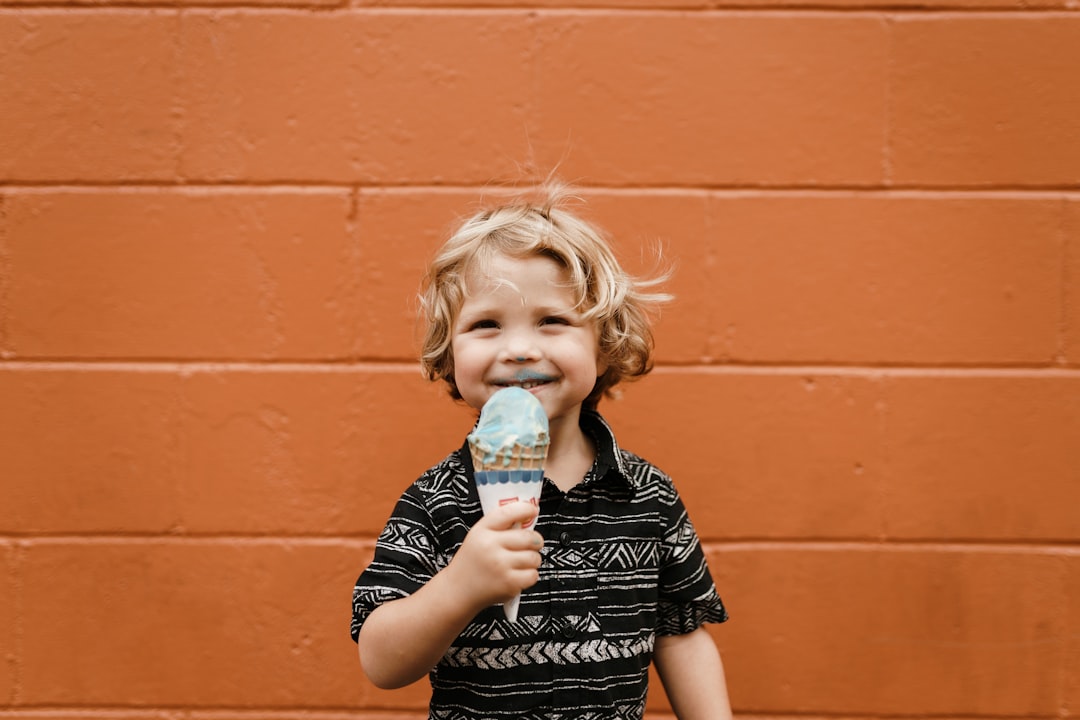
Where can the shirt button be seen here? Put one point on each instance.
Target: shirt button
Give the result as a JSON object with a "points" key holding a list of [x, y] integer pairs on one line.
{"points": [[565, 539], [568, 631]]}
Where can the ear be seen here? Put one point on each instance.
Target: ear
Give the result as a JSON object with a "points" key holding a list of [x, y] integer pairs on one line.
{"points": [[602, 364]]}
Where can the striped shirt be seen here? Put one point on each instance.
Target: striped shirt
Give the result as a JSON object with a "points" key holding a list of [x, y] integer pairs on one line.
{"points": [[621, 565]]}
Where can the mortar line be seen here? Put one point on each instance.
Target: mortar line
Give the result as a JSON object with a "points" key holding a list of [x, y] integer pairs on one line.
{"points": [[286, 712], [695, 8], [190, 367], [366, 541], [314, 187]]}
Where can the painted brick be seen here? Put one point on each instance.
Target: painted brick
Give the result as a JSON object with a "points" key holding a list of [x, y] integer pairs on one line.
{"points": [[445, 97], [830, 455], [898, 278], [676, 224], [1071, 677], [310, 452], [984, 457], [897, 630], [374, 97], [194, 624], [89, 452], [399, 231], [712, 99], [894, 278], [726, 4], [151, 4], [5, 281], [749, 453], [217, 714], [266, 95], [1071, 332], [173, 274], [545, 4], [65, 118], [217, 451], [985, 100], [9, 619]]}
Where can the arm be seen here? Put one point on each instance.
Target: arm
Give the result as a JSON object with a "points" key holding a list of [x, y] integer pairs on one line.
{"points": [[693, 676], [403, 639]]}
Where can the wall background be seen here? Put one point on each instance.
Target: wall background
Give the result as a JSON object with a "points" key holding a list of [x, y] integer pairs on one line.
{"points": [[213, 217]]}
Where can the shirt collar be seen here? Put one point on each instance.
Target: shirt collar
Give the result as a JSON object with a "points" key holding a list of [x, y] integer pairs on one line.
{"points": [[608, 455]]}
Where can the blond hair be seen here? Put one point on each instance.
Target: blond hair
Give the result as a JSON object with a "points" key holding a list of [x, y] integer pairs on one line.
{"points": [[606, 295]]}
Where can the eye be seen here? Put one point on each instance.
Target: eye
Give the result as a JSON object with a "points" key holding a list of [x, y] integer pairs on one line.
{"points": [[483, 325], [554, 320]]}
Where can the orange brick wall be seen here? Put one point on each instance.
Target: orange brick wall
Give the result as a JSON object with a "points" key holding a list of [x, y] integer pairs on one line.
{"points": [[213, 217]]}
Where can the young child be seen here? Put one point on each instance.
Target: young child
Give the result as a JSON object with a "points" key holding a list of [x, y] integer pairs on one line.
{"points": [[612, 573]]}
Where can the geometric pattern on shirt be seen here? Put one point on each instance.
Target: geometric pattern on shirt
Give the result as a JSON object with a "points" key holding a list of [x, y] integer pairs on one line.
{"points": [[622, 565], [545, 651]]}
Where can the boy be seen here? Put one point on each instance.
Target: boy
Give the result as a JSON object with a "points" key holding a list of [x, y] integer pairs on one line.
{"points": [[612, 572]]}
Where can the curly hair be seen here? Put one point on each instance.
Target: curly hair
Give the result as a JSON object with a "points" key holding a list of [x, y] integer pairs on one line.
{"points": [[606, 295]]}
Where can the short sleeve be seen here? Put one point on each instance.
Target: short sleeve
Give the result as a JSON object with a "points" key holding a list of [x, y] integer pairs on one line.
{"points": [[688, 596], [406, 558]]}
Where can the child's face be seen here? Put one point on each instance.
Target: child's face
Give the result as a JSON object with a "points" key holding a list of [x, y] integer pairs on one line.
{"points": [[518, 326]]}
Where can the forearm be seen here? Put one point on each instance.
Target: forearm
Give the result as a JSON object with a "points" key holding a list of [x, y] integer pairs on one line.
{"points": [[693, 676], [403, 639]]}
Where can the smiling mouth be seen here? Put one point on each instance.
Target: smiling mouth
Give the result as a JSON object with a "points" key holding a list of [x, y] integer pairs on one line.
{"points": [[526, 380], [530, 384], [523, 384]]}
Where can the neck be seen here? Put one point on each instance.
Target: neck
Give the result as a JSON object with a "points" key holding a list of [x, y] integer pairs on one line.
{"points": [[570, 454]]}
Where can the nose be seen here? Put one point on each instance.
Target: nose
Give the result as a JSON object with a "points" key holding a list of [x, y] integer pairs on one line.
{"points": [[521, 346]]}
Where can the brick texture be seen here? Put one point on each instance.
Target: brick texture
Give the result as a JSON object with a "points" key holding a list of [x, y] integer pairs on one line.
{"points": [[67, 118], [215, 451], [214, 216], [970, 101], [200, 624], [914, 279], [1071, 282], [861, 630], [648, 121], [878, 470], [376, 89], [10, 601], [175, 275]]}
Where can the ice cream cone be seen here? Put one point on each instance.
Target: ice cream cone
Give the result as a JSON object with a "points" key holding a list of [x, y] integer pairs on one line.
{"points": [[517, 457], [508, 450]]}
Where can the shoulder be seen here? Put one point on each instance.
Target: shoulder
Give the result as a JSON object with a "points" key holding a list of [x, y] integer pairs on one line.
{"points": [[444, 493], [448, 476], [647, 477]]}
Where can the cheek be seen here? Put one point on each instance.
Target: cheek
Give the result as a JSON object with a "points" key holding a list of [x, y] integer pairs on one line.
{"points": [[466, 359]]}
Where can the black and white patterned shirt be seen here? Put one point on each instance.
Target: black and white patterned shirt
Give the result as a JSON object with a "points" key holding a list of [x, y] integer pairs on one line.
{"points": [[621, 565]]}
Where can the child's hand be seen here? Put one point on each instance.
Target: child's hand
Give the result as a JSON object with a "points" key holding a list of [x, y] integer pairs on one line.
{"points": [[498, 559]]}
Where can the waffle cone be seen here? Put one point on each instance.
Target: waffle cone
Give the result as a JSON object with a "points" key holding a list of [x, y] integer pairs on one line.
{"points": [[519, 457]]}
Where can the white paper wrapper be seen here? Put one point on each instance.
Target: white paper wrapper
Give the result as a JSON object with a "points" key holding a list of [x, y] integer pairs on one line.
{"points": [[508, 447], [502, 487]]}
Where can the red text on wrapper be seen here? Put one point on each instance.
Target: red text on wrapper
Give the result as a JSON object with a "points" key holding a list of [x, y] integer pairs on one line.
{"points": [[532, 501]]}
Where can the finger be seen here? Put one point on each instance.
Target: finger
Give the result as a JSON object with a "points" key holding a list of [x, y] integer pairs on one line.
{"points": [[513, 514], [521, 540]]}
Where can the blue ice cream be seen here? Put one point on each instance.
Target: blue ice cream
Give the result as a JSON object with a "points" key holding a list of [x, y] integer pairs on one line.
{"points": [[512, 417]]}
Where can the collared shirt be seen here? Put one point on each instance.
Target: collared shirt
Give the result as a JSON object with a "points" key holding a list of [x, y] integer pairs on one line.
{"points": [[622, 564]]}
